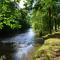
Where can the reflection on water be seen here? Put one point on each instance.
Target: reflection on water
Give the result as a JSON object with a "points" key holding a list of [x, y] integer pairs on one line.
{"points": [[18, 47]]}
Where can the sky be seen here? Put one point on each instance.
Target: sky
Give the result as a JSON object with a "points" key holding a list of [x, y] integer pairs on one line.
{"points": [[21, 4]]}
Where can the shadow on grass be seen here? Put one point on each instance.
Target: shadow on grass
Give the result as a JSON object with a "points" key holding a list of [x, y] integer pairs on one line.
{"points": [[55, 35], [41, 40]]}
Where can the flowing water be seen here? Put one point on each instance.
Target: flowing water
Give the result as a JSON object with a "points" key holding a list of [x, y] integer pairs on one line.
{"points": [[19, 47]]}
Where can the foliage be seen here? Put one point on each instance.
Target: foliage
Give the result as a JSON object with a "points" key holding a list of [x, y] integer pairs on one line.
{"points": [[8, 14], [44, 16], [11, 17]]}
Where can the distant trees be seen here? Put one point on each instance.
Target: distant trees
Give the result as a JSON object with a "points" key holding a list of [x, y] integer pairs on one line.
{"points": [[45, 16]]}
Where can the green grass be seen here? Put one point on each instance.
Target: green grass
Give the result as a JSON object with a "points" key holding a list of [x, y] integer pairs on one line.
{"points": [[49, 50]]}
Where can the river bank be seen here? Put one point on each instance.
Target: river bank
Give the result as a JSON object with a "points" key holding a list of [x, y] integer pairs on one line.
{"points": [[50, 50]]}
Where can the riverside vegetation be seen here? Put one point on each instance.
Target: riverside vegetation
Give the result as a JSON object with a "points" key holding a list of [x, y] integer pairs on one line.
{"points": [[50, 50]]}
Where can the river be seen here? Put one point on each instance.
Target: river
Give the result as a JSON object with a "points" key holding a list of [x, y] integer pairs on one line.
{"points": [[18, 47]]}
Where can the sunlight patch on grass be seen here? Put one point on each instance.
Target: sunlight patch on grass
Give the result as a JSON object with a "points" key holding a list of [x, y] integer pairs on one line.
{"points": [[52, 41]]}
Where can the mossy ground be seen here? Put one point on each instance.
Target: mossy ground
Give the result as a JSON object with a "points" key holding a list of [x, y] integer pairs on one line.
{"points": [[50, 50]]}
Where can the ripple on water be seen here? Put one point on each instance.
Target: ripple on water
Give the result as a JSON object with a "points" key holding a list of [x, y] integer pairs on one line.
{"points": [[23, 53]]}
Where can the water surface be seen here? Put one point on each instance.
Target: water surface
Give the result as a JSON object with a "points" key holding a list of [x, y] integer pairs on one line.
{"points": [[19, 47]]}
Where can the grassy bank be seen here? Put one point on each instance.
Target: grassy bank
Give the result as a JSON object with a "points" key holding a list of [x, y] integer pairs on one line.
{"points": [[50, 50]]}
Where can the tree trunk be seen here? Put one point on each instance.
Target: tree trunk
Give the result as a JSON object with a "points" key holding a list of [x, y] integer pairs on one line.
{"points": [[55, 25], [50, 24], [58, 24]]}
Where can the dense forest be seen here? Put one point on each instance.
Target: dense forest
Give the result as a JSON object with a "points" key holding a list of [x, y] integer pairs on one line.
{"points": [[45, 16], [42, 15]]}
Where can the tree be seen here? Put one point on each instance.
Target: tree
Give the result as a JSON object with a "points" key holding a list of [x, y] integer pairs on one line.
{"points": [[42, 16], [11, 17]]}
